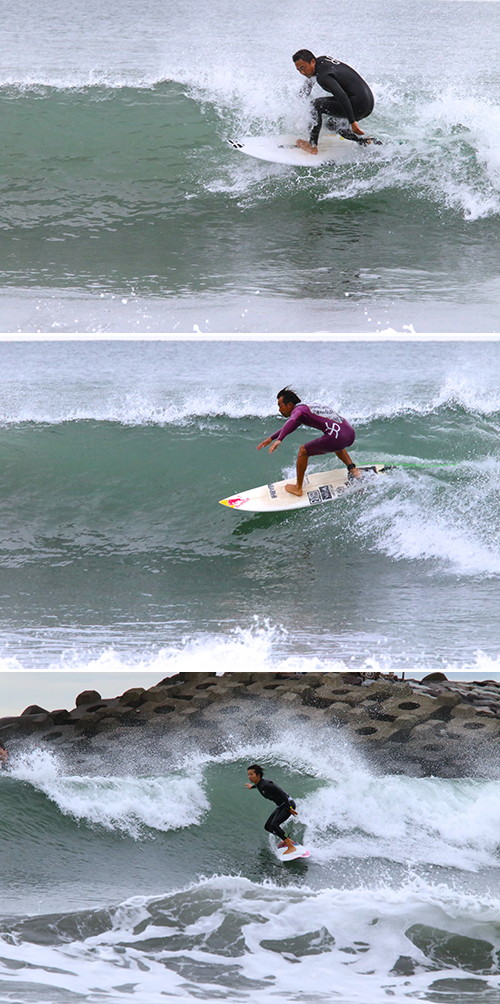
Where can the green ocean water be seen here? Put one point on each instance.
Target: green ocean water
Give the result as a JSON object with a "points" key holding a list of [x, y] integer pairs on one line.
{"points": [[118, 183], [115, 456], [112, 886]]}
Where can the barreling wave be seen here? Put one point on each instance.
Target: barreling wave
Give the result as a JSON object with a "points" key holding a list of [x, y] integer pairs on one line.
{"points": [[398, 884], [346, 809]]}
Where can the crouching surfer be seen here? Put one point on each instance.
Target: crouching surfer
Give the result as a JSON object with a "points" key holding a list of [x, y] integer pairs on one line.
{"points": [[349, 98], [285, 806], [337, 436]]}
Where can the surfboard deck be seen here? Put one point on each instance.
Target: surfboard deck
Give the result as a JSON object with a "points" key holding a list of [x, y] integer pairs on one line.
{"points": [[282, 150], [299, 852], [323, 486]]}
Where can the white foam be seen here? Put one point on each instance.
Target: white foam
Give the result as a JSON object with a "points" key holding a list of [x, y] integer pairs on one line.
{"points": [[130, 804], [447, 523], [258, 648], [445, 822], [366, 931]]}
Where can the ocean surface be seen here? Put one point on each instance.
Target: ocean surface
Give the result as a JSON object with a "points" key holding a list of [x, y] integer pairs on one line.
{"points": [[145, 873], [125, 209]]}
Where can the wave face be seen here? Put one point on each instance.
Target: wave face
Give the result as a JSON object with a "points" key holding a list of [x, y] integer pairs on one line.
{"points": [[167, 895], [113, 546], [118, 182], [142, 868]]}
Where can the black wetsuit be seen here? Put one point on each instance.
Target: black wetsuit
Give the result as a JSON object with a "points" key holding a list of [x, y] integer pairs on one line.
{"points": [[283, 801], [351, 98]]}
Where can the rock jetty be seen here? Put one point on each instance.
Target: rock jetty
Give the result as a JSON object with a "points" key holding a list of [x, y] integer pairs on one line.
{"points": [[430, 727]]}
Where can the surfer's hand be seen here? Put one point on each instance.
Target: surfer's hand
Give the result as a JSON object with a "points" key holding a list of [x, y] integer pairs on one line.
{"points": [[274, 446], [293, 811], [248, 785], [304, 145], [265, 442]]}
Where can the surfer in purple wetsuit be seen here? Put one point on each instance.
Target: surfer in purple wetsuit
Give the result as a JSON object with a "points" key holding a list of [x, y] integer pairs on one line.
{"points": [[285, 805], [337, 435]]}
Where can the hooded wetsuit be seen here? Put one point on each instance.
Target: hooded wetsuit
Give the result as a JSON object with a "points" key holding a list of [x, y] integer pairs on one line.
{"points": [[351, 98], [337, 433], [283, 801]]}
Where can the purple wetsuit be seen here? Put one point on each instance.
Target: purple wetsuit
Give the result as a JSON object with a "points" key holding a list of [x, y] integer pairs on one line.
{"points": [[337, 433]]}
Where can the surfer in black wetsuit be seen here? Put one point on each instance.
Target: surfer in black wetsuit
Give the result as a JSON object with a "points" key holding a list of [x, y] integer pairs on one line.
{"points": [[285, 805], [351, 98]]}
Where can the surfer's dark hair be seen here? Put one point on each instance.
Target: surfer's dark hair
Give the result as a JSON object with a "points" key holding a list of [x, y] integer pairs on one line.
{"points": [[288, 396], [304, 54], [257, 769]]}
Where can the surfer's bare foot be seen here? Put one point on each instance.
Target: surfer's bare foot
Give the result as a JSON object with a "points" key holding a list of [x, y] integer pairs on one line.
{"points": [[304, 145], [290, 846], [293, 489]]}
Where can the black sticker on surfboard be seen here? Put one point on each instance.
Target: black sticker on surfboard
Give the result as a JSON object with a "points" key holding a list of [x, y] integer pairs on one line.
{"points": [[322, 494]]}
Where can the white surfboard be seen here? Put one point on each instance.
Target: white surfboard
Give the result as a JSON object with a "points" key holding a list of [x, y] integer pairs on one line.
{"points": [[282, 150], [299, 852], [324, 486]]}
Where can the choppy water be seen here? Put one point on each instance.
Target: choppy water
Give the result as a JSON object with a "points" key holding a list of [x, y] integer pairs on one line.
{"points": [[146, 872], [123, 207], [142, 882], [113, 546]]}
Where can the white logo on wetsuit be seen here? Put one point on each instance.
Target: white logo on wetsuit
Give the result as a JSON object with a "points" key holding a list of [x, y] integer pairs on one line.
{"points": [[335, 428]]}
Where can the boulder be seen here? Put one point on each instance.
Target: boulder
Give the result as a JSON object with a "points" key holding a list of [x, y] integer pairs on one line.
{"points": [[418, 705], [475, 729], [338, 713], [244, 678], [61, 716], [224, 693], [427, 731], [291, 698], [106, 725], [158, 694], [185, 677], [133, 697], [463, 712], [87, 697], [34, 709], [318, 697], [373, 732], [403, 728], [151, 708]]}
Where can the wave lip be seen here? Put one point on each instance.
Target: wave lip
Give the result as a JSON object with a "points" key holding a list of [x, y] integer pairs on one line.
{"points": [[132, 805]]}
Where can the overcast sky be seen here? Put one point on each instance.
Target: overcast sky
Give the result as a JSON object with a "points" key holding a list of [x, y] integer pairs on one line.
{"points": [[59, 689]]}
